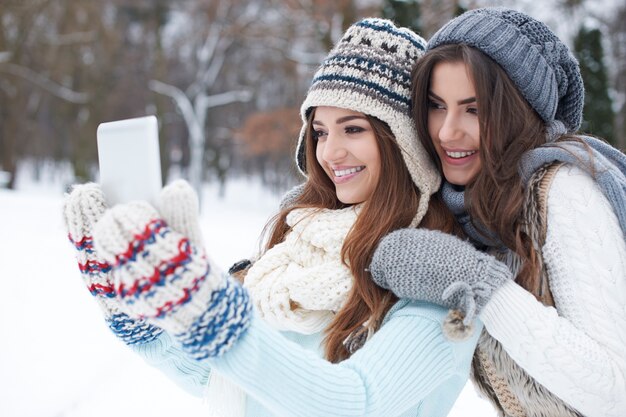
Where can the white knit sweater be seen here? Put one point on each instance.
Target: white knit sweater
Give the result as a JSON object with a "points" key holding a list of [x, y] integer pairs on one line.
{"points": [[578, 350]]}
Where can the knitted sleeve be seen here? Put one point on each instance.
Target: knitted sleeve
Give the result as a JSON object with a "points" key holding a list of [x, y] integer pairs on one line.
{"points": [[578, 350], [164, 354], [398, 368]]}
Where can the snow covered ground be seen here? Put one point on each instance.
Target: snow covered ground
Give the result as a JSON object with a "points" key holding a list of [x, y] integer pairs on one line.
{"points": [[57, 358]]}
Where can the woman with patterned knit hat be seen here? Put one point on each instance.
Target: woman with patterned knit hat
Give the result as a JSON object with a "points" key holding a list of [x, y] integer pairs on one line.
{"points": [[498, 100], [308, 333]]}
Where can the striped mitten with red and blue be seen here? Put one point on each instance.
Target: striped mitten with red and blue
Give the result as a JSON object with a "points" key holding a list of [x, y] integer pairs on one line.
{"points": [[163, 276]]}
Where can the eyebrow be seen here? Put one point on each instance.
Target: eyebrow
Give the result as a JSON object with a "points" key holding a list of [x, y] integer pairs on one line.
{"points": [[342, 119], [464, 101]]}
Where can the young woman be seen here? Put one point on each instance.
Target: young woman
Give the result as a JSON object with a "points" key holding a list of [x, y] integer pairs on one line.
{"points": [[498, 99], [346, 347]]}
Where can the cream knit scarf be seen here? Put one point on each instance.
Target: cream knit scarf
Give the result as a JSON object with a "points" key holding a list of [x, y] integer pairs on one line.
{"points": [[297, 285]]}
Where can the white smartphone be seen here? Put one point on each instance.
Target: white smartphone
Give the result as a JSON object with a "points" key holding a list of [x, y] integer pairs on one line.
{"points": [[130, 164]]}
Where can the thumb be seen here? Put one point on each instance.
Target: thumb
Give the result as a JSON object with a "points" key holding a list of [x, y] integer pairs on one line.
{"points": [[179, 207]]}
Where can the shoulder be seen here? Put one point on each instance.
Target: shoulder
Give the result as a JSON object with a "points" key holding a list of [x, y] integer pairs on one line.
{"points": [[424, 312], [575, 199], [410, 308], [422, 323], [570, 178]]}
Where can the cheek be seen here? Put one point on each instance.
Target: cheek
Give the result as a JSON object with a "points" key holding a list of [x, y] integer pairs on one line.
{"points": [[477, 134], [319, 152], [434, 125], [473, 127]]}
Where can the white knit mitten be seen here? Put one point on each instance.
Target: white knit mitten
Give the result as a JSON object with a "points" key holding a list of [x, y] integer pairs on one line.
{"points": [[83, 207], [162, 276]]}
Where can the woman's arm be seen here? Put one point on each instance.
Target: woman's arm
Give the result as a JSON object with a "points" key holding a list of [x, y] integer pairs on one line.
{"points": [[578, 350], [164, 354], [404, 362]]}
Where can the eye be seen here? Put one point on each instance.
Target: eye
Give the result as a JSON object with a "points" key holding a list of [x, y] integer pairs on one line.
{"points": [[435, 105], [352, 130], [318, 134], [472, 110]]}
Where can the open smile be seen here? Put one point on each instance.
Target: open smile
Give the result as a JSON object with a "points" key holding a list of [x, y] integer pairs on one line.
{"points": [[459, 154], [342, 175], [458, 157], [347, 171]]}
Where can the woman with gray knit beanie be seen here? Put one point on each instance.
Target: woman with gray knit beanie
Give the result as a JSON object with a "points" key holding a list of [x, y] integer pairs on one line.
{"points": [[497, 100], [308, 333]]}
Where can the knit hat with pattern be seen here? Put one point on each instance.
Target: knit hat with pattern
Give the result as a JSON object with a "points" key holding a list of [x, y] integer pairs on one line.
{"points": [[369, 71], [541, 66]]}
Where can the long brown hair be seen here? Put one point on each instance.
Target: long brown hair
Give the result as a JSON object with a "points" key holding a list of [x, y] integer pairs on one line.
{"points": [[392, 206], [508, 128]]}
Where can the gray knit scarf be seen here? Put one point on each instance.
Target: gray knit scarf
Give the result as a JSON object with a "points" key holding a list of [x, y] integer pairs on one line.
{"points": [[606, 163]]}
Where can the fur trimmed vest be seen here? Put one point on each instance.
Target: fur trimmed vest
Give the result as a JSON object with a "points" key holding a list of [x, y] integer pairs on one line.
{"points": [[497, 376]]}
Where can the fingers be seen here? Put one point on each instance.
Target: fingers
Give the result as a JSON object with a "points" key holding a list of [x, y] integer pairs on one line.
{"points": [[180, 209], [82, 209], [123, 227]]}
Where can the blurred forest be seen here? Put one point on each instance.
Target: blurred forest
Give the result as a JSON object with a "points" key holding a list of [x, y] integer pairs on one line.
{"points": [[225, 77]]}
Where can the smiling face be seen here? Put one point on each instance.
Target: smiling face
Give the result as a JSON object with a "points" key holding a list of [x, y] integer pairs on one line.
{"points": [[453, 122], [348, 152]]}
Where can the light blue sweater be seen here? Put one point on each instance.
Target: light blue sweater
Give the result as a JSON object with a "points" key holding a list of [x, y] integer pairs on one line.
{"points": [[408, 368]]}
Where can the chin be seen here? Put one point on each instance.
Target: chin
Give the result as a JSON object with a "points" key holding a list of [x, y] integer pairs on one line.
{"points": [[460, 183], [459, 179], [345, 199]]}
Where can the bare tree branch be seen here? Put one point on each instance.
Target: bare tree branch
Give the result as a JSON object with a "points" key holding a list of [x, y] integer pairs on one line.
{"points": [[222, 99], [183, 103], [44, 82]]}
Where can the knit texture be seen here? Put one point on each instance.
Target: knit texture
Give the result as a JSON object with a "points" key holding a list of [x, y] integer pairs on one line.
{"points": [[512, 391], [607, 164], [286, 375], [82, 209], [541, 66], [433, 266], [392, 375], [300, 283], [583, 338], [164, 278], [369, 71]]}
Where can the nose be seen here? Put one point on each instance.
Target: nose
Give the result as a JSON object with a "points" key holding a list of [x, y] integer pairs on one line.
{"points": [[334, 148], [450, 129]]}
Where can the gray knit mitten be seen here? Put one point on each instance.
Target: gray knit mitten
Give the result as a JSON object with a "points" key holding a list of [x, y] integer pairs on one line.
{"points": [[164, 277], [429, 265], [83, 208]]}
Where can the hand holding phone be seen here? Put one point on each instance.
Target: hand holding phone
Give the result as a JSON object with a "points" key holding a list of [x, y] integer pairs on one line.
{"points": [[129, 160]]}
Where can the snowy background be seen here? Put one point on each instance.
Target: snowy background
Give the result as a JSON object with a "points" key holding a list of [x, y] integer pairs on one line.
{"points": [[57, 357]]}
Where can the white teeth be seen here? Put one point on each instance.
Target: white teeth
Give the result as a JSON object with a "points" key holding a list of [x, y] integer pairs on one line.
{"points": [[343, 172], [460, 154]]}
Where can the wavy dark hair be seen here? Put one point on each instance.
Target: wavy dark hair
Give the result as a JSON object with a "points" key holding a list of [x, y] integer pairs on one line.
{"points": [[509, 126], [392, 206]]}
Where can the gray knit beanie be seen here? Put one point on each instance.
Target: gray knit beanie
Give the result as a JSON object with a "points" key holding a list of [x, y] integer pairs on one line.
{"points": [[541, 66], [369, 71]]}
